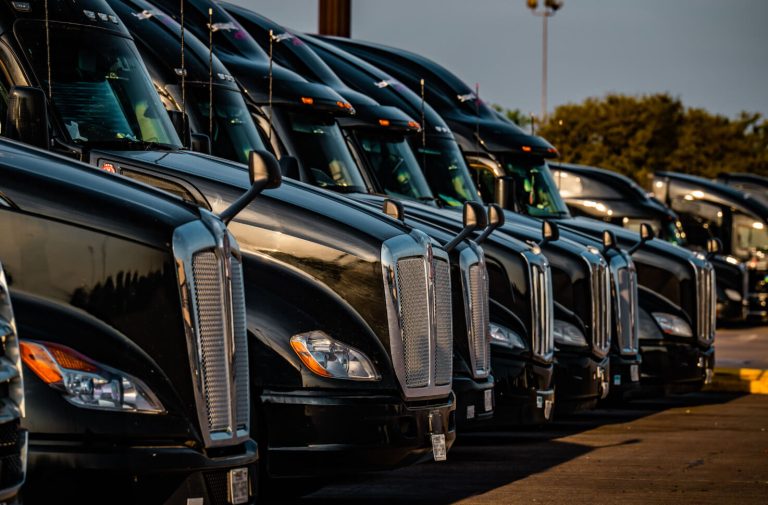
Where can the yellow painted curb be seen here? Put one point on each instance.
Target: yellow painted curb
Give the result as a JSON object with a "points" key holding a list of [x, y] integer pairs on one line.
{"points": [[740, 380]]}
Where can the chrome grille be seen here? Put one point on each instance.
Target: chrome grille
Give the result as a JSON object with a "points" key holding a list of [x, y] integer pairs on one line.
{"points": [[13, 439], [601, 307], [419, 313], [626, 310], [414, 308], [239, 326], [480, 320], [443, 324], [543, 343], [210, 278], [706, 299], [212, 338]]}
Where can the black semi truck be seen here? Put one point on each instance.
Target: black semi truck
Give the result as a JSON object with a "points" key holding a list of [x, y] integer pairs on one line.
{"points": [[334, 322]]}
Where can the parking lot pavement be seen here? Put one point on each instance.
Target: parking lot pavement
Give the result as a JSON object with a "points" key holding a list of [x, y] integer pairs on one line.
{"points": [[742, 347], [695, 449]]}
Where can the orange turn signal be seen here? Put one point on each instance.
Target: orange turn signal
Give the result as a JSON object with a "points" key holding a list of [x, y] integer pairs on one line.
{"points": [[384, 122], [526, 149], [39, 361], [306, 357], [307, 100], [414, 124]]}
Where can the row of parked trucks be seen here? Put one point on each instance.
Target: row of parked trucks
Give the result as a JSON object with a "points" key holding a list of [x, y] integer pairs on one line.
{"points": [[197, 322]]}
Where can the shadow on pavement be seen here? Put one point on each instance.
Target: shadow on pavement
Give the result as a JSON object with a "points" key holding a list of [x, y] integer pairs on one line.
{"points": [[482, 461]]}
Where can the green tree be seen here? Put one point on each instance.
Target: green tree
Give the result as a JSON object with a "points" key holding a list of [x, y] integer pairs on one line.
{"points": [[638, 135]]}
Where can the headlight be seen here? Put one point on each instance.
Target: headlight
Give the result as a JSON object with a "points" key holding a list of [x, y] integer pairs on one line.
{"points": [[733, 295], [330, 358], [86, 383], [672, 325], [647, 329], [503, 336], [566, 333]]}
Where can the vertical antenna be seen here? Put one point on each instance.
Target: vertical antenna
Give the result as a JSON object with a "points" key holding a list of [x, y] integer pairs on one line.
{"points": [[423, 122], [533, 124], [48, 51], [183, 77], [423, 132], [210, 74], [477, 116], [271, 41]]}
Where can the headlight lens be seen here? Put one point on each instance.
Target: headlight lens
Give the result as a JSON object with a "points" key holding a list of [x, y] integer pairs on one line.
{"points": [[566, 333], [672, 325], [503, 336], [733, 295], [647, 329], [330, 358], [86, 383]]}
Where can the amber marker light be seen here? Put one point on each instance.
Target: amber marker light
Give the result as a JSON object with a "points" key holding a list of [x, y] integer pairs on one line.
{"points": [[414, 124], [384, 122], [526, 149], [306, 357], [39, 361], [306, 100]]}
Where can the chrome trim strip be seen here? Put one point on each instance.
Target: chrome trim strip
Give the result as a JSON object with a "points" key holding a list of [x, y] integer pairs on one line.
{"points": [[600, 287], [473, 256]]}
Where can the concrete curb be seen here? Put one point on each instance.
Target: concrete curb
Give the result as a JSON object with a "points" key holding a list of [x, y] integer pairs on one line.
{"points": [[740, 380]]}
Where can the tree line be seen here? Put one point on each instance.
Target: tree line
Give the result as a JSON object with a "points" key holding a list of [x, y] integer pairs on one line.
{"points": [[638, 135]]}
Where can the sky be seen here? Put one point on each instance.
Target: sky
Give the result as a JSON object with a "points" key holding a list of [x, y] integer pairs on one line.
{"points": [[711, 54]]}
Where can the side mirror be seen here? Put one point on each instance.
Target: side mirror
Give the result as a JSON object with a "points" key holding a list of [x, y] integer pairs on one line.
{"points": [[180, 122], [474, 218], [289, 167], [550, 232], [201, 143], [393, 209], [609, 240], [27, 116], [714, 246], [495, 220], [264, 173], [646, 234]]}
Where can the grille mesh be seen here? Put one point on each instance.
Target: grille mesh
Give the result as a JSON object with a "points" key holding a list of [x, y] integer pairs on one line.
{"points": [[542, 324], [414, 306], [444, 324], [601, 308], [241, 346], [626, 311], [478, 288], [707, 301], [208, 282]]}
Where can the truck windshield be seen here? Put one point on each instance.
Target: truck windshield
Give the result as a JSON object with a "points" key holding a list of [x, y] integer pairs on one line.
{"points": [[100, 87], [445, 170], [323, 153], [394, 166], [234, 134], [750, 235], [534, 189]]}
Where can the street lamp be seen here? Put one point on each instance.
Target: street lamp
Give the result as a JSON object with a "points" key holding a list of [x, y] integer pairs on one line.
{"points": [[550, 7]]}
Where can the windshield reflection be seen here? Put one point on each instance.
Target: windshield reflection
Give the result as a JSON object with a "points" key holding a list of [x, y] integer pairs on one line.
{"points": [[394, 166], [100, 87], [445, 171], [535, 191], [323, 152]]}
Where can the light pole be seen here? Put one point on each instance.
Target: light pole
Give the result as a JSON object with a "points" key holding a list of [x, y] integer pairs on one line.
{"points": [[550, 7]]}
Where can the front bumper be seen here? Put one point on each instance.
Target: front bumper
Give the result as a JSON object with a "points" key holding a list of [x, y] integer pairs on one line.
{"points": [[580, 381], [317, 433], [675, 367], [474, 400], [523, 391], [624, 376], [67, 471]]}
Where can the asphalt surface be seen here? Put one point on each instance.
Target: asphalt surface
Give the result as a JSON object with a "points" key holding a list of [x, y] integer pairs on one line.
{"points": [[703, 448]]}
